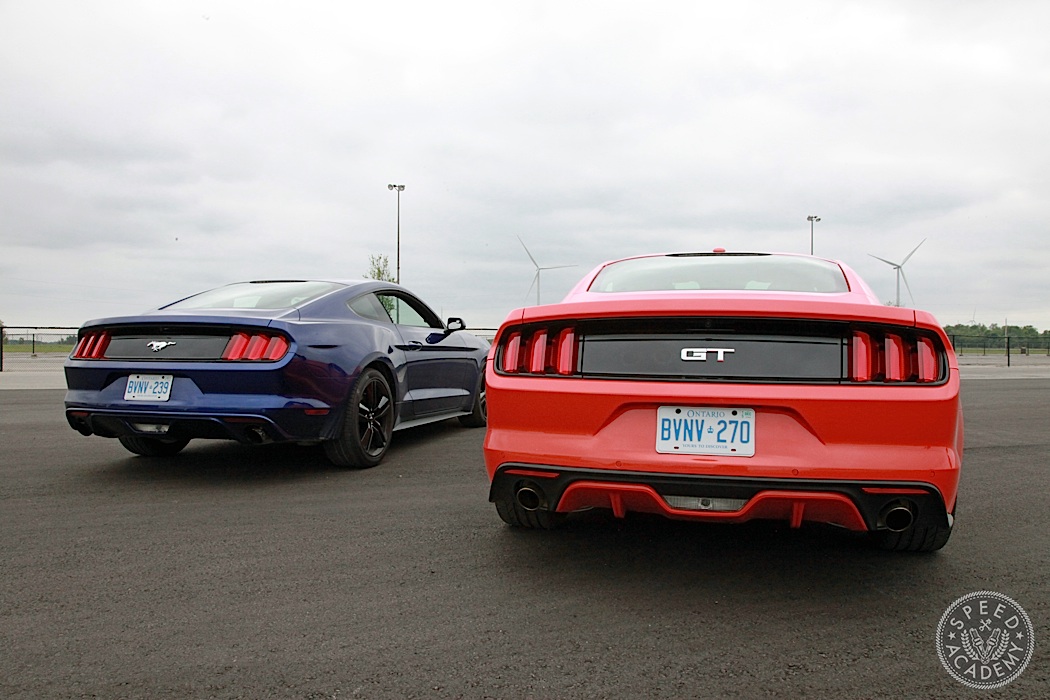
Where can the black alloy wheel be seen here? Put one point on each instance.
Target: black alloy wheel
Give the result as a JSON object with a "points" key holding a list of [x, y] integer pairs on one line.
{"points": [[367, 425]]}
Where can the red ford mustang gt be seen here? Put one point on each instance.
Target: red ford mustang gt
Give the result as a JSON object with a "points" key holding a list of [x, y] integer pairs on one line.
{"points": [[726, 387]]}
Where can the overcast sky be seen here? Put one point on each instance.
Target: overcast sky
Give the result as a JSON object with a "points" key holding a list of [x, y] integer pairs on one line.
{"points": [[150, 150]]}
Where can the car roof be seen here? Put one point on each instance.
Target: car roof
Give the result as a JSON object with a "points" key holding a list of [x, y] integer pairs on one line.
{"points": [[175, 310]]}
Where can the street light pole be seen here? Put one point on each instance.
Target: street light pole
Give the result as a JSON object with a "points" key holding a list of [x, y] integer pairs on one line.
{"points": [[812, 220], [398, 189]]}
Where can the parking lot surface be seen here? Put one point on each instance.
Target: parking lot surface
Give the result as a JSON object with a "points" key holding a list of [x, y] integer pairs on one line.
{"points": [[234, 572]]}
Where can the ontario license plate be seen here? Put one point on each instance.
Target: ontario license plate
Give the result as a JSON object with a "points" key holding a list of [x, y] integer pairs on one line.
{"points": [[704, 430], [148, 387]]}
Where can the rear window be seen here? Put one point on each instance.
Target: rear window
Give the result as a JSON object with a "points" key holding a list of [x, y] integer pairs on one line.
{"points": [[257, 295], [721, 271]]}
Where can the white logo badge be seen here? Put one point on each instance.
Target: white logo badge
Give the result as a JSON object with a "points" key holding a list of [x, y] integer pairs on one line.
{"points": [[984, 640], [158, 345], [700, 354]]}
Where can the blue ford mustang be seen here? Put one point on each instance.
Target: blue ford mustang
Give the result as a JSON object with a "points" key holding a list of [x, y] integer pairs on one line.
{"points": [[340, 363]]}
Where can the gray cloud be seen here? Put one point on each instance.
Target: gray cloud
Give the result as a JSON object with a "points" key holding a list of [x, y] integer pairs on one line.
{"points": [[165, 148]]}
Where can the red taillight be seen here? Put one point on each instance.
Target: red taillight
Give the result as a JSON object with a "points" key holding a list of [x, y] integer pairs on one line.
{"points": [[235, 348], [92, 346], [539, 351], [511, 354], [896, 364], [861, 356], [255, 347], [275, 349], [536, 362], [928, 366], [565, 352], [887, 357]]}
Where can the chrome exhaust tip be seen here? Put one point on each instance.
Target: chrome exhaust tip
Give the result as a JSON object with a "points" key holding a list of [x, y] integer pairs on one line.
{"points": [[897, 516], [529, 498]]}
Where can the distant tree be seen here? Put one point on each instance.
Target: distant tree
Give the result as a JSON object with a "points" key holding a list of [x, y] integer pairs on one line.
{"points": [[993, 331], [379, 269]]}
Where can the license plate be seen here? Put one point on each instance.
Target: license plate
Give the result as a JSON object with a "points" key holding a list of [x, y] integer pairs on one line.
{"points": [[703, 430], [148, 387]]}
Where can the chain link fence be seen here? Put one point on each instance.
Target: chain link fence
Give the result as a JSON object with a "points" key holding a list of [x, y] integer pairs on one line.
{"points": [[999, 345], [35, 347], [1027, 351]]}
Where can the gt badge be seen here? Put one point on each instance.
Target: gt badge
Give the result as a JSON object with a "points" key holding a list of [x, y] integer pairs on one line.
{"points": [[700, 354]]}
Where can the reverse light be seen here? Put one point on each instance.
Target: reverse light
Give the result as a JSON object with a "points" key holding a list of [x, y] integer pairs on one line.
{"points": [[721, 505]]}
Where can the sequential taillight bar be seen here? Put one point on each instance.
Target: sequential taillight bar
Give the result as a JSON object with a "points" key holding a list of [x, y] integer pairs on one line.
{"points": [[543, 351], [255, 347], [888, 357], [92, 346]]}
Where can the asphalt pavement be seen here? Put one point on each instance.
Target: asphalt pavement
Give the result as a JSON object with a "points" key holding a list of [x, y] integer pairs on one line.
{"points": [[236, 572]]}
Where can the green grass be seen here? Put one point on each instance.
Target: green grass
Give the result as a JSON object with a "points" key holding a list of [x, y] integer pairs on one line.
{"points": [[64, 348], [983, 351], [1014, 350]]}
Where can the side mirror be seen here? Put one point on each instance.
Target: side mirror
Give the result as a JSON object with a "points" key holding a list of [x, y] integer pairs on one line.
{"points": [[456, 324]]}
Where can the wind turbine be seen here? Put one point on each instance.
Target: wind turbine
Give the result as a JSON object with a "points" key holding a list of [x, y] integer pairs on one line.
{"points": [[899, 267], [536, 279]]}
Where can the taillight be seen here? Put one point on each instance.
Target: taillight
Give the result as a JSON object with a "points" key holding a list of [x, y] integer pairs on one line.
{"points": [[255, 347], [928, 364], [551, 351], [882, 356], [565, 352], [92, 346], [896, 358], [537, 355], [511, 353], [862, 354]]}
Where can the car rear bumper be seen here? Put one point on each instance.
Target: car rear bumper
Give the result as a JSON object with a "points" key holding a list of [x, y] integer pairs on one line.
{"points": [[247, 404], [250, 428], [854, 505]]}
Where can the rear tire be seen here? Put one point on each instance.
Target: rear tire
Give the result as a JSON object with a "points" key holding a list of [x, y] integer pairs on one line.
{"points": [[367, 425], [516, 516], [479, 415], [152, 447], [914, 539]]}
